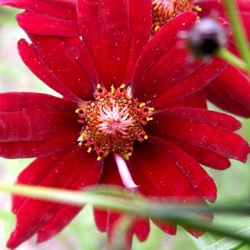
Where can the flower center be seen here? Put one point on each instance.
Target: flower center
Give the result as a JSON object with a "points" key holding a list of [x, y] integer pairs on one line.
{"points": [[165, 10], [113, 122]]}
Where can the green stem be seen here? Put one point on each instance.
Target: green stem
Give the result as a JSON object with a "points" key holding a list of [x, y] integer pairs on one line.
{"points": [[238, 31], [141, 205], [183, 215], [68, 197], [232, 59]]}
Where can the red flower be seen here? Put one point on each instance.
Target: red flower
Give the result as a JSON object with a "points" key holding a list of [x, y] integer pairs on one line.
{"points": [[132, 126]]}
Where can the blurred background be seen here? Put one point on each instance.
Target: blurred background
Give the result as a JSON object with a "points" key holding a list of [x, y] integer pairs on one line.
{"points": [[233, 184]]}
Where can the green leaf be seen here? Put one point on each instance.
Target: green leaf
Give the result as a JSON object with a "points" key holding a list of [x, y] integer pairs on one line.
{"points": [[229, 244]]}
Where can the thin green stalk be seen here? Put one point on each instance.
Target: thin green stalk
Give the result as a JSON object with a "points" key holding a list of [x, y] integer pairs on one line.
{"points": [[68, 197], [238, 31], [232, 59], [183, 215], [141, 205]]}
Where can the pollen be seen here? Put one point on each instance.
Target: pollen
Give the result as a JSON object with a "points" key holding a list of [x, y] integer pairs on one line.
{"points": [[164, 10], [113, 122]]}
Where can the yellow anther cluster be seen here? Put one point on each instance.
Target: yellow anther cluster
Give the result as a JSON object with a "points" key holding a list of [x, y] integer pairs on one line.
{"points": [[113, 122]]}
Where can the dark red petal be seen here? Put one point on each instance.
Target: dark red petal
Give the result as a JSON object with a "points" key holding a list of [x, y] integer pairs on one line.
{"points": [[88, 175], [35, 125], [235, 86], [163, 170], [105, 220], [70, 62], [219, 98], [38, 66], [203, 156], [168, 172], [43, 24], [196, 100], [142, 228], [101, 219], [29, 149], [57, 223], [243, 5], [27, 101], [208, 117], [110, 176], [245, 17], [201, 134], [59, 8], [112, 41], [163, 56], [165, 226], [30, 121], [189, 85], [140, 24], [35, 216]]}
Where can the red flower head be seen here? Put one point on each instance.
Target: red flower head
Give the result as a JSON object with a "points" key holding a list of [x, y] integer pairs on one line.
{"points": [[122, 118]]}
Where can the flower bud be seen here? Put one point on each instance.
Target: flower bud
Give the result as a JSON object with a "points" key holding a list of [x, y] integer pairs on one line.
{"points": [[206, 37]]}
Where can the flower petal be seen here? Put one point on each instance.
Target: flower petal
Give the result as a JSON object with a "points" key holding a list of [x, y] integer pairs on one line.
{"points": [[203, 156], [105, 220], [42, 24], [204, 134], [34, 119], [57, 223], [70, 62], [31, 121], [219, 98], [29, 149], [163, 56], [38, 66], [209, 117], [36, 216], [101, 218], [58, 8], [195, 81], [233, 97], [55, 17], [141, 228], [163, 170], [196, 100], [174, 174], [116, 40]]}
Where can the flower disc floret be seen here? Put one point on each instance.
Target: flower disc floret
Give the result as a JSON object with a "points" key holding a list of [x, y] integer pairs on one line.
{"points": [[164, 10], [113, 122]]}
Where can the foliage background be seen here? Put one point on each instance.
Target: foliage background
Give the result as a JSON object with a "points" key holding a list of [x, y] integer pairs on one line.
{"points": [[233, 184]]}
